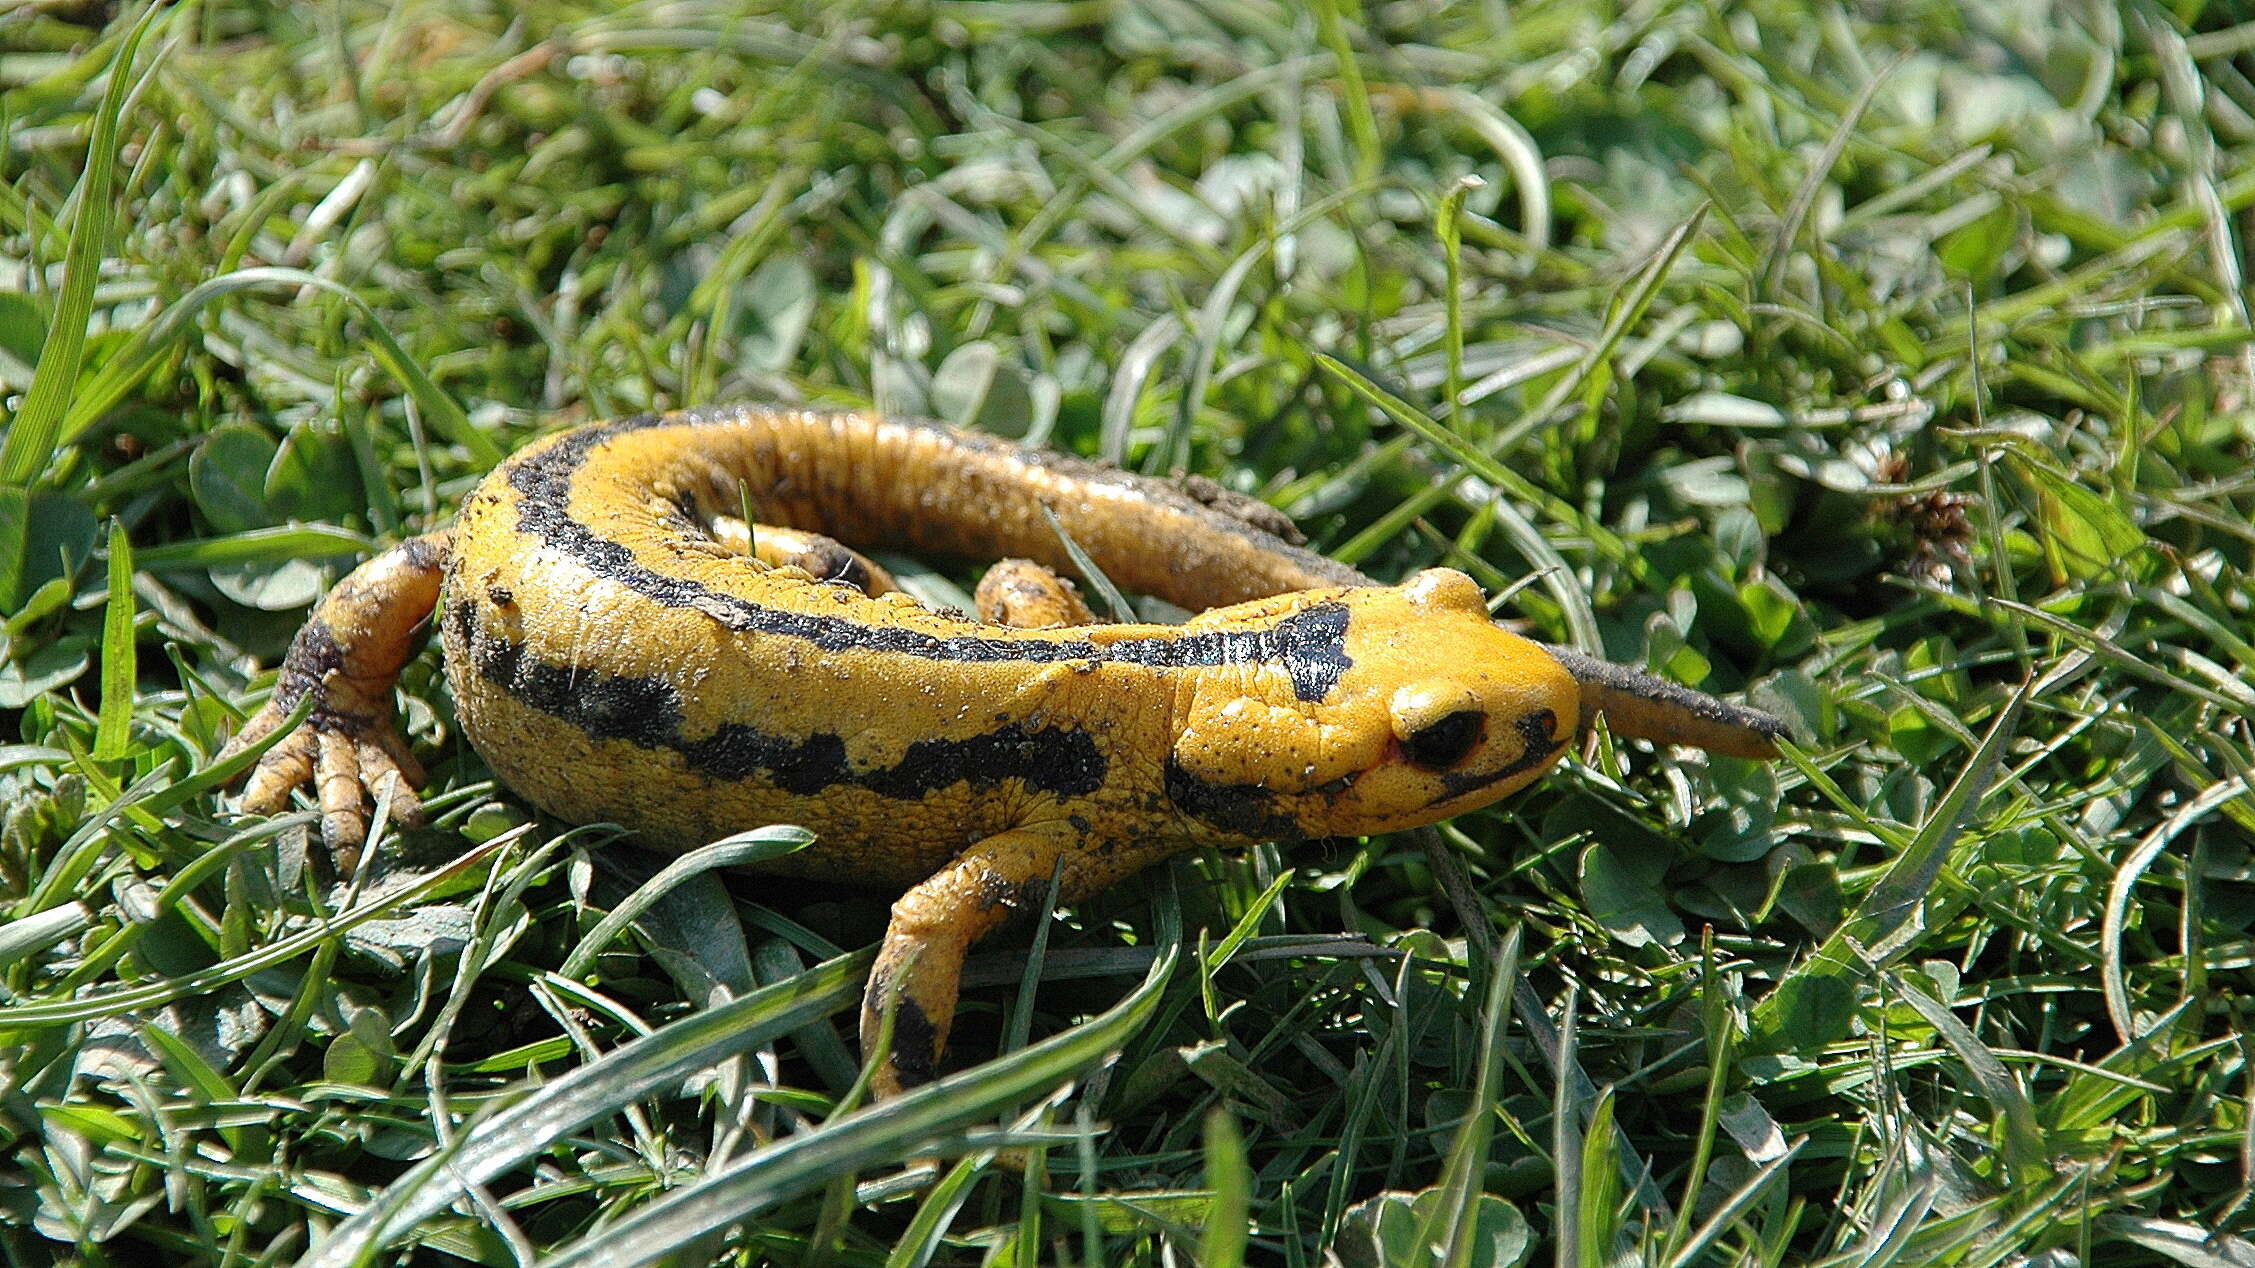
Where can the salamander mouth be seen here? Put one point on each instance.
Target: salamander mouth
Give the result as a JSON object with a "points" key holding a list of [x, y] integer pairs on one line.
{"points": [[1540, 744]]}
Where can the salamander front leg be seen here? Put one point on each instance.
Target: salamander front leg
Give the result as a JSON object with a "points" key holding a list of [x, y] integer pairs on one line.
{"points": [[933, 927], [347, 657]]}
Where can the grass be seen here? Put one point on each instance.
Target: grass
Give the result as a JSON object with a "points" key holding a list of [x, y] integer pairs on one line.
{"points": [[1889, 364]]}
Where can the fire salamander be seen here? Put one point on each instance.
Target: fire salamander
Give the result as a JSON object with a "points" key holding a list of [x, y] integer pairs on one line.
{"points": [[622, 646]]}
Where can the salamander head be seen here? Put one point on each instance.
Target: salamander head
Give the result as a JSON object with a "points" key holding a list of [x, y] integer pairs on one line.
{"points": [[1459, 711], [1430, 710]]}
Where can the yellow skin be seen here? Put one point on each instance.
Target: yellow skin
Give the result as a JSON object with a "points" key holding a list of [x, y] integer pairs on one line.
{"points": [[622, 647]]}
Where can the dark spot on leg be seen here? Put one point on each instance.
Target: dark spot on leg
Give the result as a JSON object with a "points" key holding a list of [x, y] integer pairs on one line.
{"points": [[996, 890], [421, 554], [315, 654], [915, 1056], [830, 561]]}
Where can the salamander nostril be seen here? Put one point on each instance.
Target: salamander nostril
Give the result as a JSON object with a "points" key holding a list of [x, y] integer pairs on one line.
{"points": [[1540, 730]]}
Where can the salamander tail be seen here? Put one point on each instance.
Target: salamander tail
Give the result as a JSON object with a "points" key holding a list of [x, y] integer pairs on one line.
{"points": [[1643, 707]]}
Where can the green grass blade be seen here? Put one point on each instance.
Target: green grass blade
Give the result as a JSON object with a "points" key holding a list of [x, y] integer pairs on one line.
{"points": [[1599, 1203], [921, 1239], [113, 726], [865, 1139], [150, 347], [1229, 1176], [1735, 1206], [1213, 319], [1361, 125], [41, 930], [1866, 386], [745, 849], [258, 545], [1814, 1001], [1567, 1154], [1556, 575], [2116, 915], [33, 433], [1626, 311], [2023, 1135], [1116, 604], [491, 1146], [1450, 1227], [25, 1017], [1720, 1033], [15, 509], [1448, 226]]}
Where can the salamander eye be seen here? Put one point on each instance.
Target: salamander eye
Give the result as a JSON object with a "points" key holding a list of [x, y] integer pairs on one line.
{"points": [[1450, 740]]}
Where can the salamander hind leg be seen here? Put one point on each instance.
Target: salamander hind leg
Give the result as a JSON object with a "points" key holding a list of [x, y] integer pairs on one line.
{"points": [[1028, 596], [347, 658], [822, 558], [920, 964]]}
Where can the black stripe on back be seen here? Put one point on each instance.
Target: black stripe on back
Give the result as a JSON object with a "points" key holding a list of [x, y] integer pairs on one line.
{"points": [[647, 712], [1309, 644]]}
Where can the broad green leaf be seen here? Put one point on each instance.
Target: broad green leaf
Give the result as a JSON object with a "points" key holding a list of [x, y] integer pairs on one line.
{"points": [[227, 477], [777, 309], [59, 533], [2085, 535], [273, 587], [363, 1054], [1973, 250], [45, 668], [1772, 611], [1742, 826], [1386, 1232], [312, 475], [1627, 897]]}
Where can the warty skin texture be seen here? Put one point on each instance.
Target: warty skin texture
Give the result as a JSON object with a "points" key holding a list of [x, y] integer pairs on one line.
{"points": [[617, 651]]}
